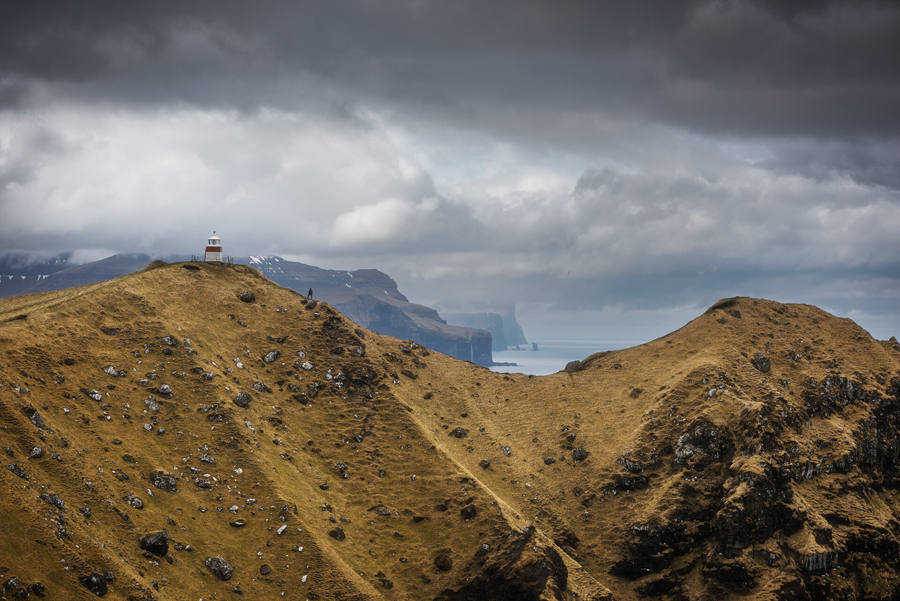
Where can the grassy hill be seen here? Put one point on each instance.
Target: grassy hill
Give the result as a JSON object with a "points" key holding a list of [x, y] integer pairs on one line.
{"points": [[750, 454]]}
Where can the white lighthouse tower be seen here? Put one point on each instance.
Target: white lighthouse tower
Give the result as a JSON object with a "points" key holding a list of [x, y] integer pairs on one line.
{"points": [[214, 248]]}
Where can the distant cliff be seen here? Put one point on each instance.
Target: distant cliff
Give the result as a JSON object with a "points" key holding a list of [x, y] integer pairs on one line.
{"points": [[371, 299], [367, 296], [497, 318]]}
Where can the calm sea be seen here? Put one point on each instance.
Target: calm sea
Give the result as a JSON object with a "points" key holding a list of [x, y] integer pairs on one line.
{"points": [[552, 355]]}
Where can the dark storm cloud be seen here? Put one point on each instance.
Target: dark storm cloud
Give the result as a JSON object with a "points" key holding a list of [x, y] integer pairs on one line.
{"points": [[728, 65]]}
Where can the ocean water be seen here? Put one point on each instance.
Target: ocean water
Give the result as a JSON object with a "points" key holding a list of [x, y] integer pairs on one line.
{"points": [[552, 355]]}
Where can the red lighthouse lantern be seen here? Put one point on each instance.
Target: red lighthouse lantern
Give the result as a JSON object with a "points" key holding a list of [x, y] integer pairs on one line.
{"points": [[214, 248]]}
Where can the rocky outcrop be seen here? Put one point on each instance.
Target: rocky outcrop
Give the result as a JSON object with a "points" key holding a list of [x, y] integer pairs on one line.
{"points": [[519, 569]]}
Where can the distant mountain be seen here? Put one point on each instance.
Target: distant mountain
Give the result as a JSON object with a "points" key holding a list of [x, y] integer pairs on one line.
{"points": [[19, 272], [367, 296]]}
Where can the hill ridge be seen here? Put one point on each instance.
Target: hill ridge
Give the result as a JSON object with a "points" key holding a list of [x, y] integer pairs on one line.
{"points": [[749, 454]]}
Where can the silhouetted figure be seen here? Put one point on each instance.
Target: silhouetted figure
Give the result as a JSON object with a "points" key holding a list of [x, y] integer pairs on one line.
{"points": [[309, 294]]}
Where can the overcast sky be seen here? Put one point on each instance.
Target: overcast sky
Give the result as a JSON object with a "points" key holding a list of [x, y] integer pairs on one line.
{"points": [[614, 168]]}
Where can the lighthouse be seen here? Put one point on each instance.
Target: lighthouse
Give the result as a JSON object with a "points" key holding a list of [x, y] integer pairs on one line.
{"points": [[214, 248]]}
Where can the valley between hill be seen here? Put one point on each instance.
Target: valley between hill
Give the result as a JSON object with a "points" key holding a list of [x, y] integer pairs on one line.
{"points": [[167, 436]]}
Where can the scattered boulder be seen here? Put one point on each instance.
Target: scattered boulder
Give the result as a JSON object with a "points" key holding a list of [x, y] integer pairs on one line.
{"points": [[17, 470], [242, 400], [164, 481], [219, 567], [443, 562], [156, 543], [337, 533], [459, 432], [573, 365], [271, 356], [761, 362], [34, 416], [110, 370], [95, 583], [37, 589], [579, 454], [484, 464], [151, 404], [265, 570], [54, 500], [170, 340], [93, 394], [468, 512], [206, 458], [247, 297], [311, 304], [36, 453]]}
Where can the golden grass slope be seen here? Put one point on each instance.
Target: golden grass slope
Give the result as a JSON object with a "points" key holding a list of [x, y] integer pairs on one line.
{"points": [[704, 476]]}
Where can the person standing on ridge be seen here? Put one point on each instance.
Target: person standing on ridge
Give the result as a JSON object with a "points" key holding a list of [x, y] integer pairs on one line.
{"points": [[309, 294]]}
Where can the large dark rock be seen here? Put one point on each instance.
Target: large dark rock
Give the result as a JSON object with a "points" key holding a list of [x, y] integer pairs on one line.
{"points": [[220, 568], [579, 454], [95, 583], [337, 533], [247, 297], [17, 470], [761, 362], [443, 562], [156, 542], [54, 500], [164, 481], [243, 399]]}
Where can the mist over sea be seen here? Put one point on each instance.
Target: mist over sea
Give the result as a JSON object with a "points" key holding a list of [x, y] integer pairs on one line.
{"points": [[553, 354]]}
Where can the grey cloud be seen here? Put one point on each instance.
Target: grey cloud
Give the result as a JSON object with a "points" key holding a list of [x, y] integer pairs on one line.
{"points": [[641, 153]]}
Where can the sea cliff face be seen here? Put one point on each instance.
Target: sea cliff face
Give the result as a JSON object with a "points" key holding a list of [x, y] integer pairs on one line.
{"points": [[497, 318]]}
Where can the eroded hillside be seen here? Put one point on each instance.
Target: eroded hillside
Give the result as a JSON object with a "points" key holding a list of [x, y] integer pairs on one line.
{"points": [[158, 422]]}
